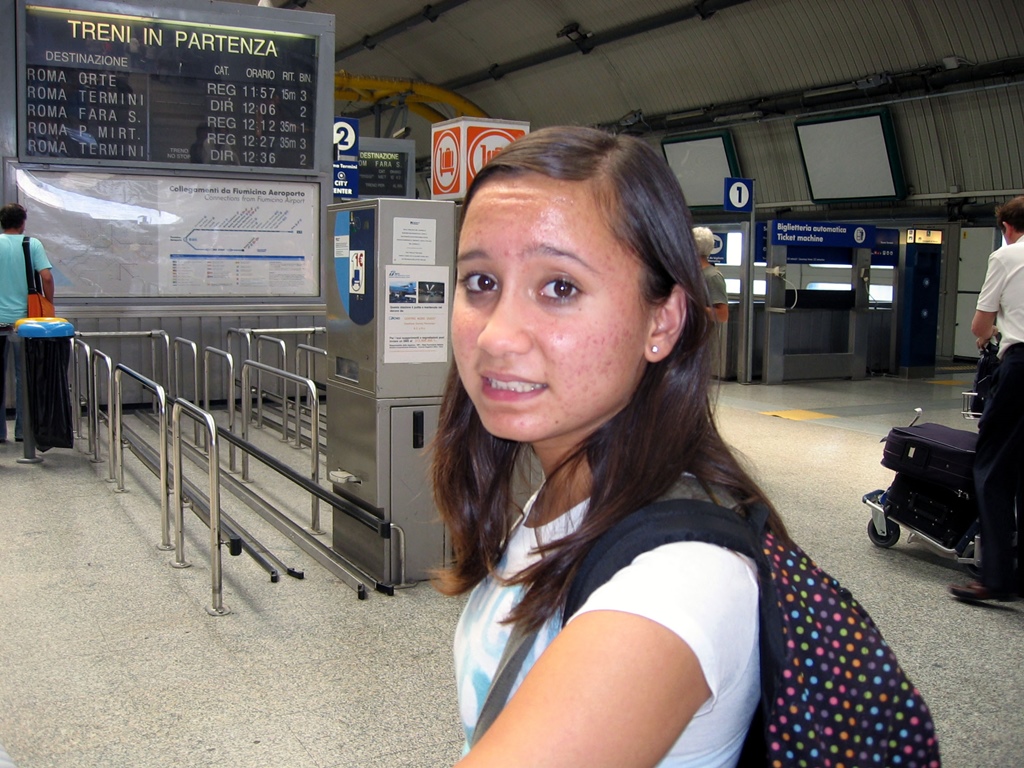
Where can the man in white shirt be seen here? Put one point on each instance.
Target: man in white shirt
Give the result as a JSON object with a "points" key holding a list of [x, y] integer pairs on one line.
{"points": [[999, 459]]}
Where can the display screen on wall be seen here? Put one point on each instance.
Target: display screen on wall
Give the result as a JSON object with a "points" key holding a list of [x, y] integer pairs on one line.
{"points": [[130, 89], [387, 167], [854, 157], [702, 164]]}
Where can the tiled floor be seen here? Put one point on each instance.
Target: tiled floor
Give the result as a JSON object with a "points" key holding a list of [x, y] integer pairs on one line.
{"points": [[108, 658]]}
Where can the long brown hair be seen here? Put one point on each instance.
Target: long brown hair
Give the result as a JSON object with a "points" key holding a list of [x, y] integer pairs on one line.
{"points": [[666, 429]]}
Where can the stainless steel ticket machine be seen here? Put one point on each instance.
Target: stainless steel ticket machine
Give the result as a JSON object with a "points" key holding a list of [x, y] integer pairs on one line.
{"points": [[388, 310]]}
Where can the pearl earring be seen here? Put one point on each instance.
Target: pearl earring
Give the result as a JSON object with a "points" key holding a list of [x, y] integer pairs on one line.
{"points": [[654, 349]]}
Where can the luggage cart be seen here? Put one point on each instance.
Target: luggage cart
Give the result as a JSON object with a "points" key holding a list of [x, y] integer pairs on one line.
{"points": [[932, 494]]}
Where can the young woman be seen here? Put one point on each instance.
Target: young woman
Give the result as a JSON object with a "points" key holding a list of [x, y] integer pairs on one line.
{"points": [[579, 327]]}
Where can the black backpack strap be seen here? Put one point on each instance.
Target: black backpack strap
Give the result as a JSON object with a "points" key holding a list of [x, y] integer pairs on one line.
{"points": [[509, 665], [672, 520], [31, 276], [663, 522]]}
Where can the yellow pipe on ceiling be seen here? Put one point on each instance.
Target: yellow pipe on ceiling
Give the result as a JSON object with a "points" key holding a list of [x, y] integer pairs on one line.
{"points": [[429, 114], [348, 87]]}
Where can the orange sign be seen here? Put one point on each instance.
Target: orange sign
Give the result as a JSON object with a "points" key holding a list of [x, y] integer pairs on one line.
{"points": [[461, 147], [445, 165]]}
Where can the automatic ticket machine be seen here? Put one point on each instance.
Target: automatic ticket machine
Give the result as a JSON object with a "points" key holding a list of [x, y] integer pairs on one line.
{"points": [[813, 334], [388, 310]]}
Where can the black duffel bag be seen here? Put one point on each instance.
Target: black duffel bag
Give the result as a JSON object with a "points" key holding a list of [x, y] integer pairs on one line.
{"points": [[49, 398]]}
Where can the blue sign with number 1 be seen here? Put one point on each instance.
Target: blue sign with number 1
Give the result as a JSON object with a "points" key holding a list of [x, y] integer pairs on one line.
{"points": [[739, 195]]}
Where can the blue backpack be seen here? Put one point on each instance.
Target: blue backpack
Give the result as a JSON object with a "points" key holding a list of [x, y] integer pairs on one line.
{"points": [[832, 692]]}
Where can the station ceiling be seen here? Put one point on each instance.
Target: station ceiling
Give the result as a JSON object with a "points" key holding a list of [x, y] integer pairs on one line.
{"points": [[599, 61], [657, 67]]}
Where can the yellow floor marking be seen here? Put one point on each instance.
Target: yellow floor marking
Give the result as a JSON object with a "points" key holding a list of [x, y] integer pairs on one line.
{"points": [[798, 415]]}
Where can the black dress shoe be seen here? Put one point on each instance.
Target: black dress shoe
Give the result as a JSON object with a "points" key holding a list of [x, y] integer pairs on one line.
{"points": [[976, 592]]}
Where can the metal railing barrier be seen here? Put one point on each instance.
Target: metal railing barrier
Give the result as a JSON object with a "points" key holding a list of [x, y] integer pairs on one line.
{"points": [[260, 394], [76, 391], [217, 607], [304, 353], [245, 344], [244, 341], [155, 336], [161, 404], [121, 435], [247, 367], [230, 361], [180, 342], [95, 358]]}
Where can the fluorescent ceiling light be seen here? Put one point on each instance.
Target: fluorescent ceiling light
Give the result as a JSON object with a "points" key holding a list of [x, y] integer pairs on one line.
{"points": [[752, 115]]}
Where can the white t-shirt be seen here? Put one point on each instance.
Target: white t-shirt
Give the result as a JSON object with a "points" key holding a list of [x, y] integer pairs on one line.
{"points": [[1003, 293], [707, 595]]}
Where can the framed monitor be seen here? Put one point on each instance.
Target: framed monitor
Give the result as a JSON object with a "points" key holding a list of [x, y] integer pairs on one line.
{"points": [[702, 163], [851, 157], [387, 167]]}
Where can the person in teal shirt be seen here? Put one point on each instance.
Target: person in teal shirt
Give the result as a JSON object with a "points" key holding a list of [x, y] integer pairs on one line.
{"points": [[14, 296]]}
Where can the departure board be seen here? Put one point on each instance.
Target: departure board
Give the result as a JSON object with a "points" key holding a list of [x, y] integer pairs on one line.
{"points": [[136, 90], [384, 174]]}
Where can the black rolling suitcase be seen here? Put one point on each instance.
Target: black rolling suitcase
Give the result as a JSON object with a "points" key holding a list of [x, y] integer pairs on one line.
{"points": [[934, 453], [941, 513]]}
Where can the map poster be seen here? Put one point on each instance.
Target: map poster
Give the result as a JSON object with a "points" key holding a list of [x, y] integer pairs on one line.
{"points": [[238, 238], [131, 236]]}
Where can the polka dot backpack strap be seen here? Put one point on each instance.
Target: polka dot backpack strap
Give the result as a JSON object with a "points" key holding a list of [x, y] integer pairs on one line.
{"points": [[833, 694]]}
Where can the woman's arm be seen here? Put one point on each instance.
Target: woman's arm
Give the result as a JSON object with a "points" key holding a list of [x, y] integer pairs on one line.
{"points": [[613, 689]]}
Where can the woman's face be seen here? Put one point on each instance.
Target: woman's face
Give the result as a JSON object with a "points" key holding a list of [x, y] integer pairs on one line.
{"points": [[549, 329]]}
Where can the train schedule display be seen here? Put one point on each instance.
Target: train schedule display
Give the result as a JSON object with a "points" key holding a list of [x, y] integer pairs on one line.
{"points": [[111, 88]]}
